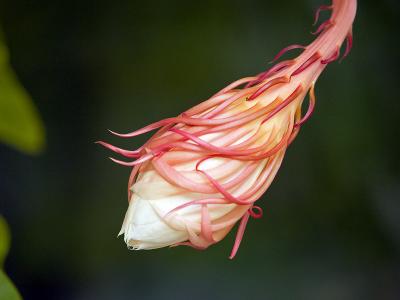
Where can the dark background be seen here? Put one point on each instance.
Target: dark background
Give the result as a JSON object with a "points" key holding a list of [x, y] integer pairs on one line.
{"points": [[331, 229]]}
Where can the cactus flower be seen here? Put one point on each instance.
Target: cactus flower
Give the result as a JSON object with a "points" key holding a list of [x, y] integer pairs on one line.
{"points": [[203, 171]]}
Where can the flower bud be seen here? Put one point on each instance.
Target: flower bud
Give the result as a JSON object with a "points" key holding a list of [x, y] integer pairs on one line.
{"points": [[203, 171]]}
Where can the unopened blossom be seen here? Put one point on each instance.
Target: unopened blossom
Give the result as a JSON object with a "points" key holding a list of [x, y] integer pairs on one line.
{"points": [[203, 171]]}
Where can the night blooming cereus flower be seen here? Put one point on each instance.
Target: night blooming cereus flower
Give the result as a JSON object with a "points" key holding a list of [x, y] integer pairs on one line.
{"points": [[203, 171]]}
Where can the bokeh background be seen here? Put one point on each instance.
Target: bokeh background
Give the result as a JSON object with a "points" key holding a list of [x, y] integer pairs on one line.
{"points": [[332, 223]]}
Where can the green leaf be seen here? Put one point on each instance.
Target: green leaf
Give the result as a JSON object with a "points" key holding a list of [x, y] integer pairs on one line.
{"points": [[20, 124], [7, 288], [4, 240]]}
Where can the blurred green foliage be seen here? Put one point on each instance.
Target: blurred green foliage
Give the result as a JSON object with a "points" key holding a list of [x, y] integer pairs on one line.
{"points": [[20, 124], [21, 128], [7, 289]]}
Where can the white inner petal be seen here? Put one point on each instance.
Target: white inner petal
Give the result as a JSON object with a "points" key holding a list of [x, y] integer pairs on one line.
{"points": [[144, 229]]}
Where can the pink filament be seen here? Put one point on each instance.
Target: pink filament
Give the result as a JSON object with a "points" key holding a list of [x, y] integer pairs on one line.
{"points": [[310, 108], [256, 212], [349, 45], [268, 85], [206, 230], [318, 11], [325, 25], [273, 70], [316, 56], [235, 84], [123, 152], [286, 49], [285, 103], [239, 235], [334, 56]]}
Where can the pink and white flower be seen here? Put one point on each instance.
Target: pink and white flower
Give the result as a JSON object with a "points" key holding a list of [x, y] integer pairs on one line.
{"points": [[203, 171]]}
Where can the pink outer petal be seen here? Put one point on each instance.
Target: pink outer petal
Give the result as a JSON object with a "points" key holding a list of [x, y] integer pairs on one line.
{"points": [[324, 26], [268, 85], [332, 57], [349, 44], [235, 84], [126, 153], [286, 49], [131, 180], [206, 230], [272, 71], [318, 11], [310, 109], [176, 178], [239, 235], [312, 59]]}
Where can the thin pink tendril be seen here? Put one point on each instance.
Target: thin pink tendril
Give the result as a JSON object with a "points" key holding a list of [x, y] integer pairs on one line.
{"points": [[324, 26], [334, 56], [318, 11], [349, 45], [286, 49], [254, 212], [316, 56], [310, 109]]}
